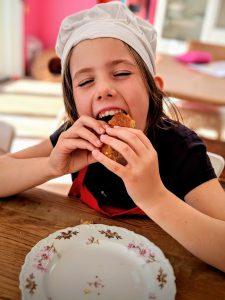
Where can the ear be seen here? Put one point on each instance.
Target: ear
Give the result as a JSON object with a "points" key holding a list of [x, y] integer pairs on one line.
{"points": [[159, 82], [54, 66]]}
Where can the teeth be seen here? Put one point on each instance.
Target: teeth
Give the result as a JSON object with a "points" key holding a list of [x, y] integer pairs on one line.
{"points": [[110, 113]]}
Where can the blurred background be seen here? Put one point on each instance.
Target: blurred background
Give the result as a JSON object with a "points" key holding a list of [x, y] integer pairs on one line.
{"points": [[190, 58]]}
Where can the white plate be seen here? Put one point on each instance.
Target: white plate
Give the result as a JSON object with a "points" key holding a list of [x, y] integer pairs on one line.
{"points": [[96, 262]]}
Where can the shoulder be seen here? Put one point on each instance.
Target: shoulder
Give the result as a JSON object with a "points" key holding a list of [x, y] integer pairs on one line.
{"points": [[183, 160], [178, 146], [177, 135]]}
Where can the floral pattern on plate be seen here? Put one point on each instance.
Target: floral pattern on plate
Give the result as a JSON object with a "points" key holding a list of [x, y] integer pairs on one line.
{"points": [[94, 286], [96, 261]]}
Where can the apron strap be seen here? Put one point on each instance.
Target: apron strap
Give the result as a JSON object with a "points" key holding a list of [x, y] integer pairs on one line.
{"points": [[78, 189], [75, 190]]}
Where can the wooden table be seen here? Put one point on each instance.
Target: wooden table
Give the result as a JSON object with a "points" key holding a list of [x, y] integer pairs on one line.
{"points": [[31, 216], [182, 82], [2, 152], [201, 96]]}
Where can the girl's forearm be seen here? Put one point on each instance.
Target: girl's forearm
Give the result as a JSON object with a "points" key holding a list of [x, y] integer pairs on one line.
{"points": [[201, 234], [17, 175]]}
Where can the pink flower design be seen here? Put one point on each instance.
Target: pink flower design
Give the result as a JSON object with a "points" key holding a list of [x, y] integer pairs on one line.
{"points": [[146, 253], [44, 257]]}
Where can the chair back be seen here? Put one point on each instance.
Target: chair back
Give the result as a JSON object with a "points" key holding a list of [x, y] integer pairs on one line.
{"points": [[217, 162], [7, 134]]}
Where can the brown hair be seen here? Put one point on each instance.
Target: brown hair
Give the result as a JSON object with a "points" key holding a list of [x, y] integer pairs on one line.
{"points": [[157, 97]]}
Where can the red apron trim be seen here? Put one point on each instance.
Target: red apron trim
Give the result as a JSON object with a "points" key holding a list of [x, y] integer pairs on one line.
{"points": [[75, 189], [78, 189]]}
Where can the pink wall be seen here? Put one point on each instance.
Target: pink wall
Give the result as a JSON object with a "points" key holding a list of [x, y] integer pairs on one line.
{"points": [[43, 18], [144, 6], [152, 11]]}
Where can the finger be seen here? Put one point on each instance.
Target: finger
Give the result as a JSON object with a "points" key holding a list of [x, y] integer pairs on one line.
{"points": [[125, 150], [110, 164], [140, 134], [96, 125], [69, 145], [129, 137], [84, 134]]}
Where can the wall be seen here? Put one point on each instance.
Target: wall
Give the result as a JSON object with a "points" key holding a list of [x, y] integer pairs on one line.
{"points": [[43, 18], [152, 11], [144, 6]]}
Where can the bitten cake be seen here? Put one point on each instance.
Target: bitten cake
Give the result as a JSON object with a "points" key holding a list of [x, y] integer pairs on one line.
{"points": [[123, 120]]}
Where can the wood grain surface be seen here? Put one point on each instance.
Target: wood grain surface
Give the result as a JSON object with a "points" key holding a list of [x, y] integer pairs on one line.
{"points": [[31, 216], [183, 83]]}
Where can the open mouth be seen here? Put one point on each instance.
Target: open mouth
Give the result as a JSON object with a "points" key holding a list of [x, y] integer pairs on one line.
{"points": [[107, 116]]}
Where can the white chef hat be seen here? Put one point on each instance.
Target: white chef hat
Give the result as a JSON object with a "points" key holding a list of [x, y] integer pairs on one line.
{"points": [[112, 19]]}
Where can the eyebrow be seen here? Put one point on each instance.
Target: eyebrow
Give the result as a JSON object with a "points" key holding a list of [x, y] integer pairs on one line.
{"points": [[111, 63]]}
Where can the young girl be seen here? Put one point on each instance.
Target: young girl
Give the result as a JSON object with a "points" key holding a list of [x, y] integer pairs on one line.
{"points": [[107, 57]]}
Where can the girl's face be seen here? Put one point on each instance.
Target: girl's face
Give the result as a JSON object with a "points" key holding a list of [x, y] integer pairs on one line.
{"points": [[106, 78]]}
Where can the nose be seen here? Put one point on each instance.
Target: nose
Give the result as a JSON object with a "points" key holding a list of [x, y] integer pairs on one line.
{"points": [[105, 92]]}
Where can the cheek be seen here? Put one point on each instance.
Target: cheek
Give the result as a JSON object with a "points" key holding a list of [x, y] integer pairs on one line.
{"points": [[139, 108], [142, 110], [82, 103]]}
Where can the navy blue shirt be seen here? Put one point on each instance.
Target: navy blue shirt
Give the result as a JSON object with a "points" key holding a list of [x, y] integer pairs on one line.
{"points": [[183, 165]]}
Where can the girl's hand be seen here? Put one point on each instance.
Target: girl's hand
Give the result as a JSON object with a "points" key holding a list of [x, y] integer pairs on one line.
{"points": [[141, 174], [73, 149]]}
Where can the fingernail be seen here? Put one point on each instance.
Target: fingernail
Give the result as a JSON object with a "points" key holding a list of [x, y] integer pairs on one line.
{"points": [[102, 136], [101, 130], [99, 143], [106, 126]]}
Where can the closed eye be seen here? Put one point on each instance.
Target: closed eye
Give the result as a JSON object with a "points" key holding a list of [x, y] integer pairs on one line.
{"points": [[91, 80], [122, 74], [85, 82]]}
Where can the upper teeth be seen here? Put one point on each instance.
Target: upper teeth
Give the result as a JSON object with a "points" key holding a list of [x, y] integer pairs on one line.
{"points": [[109, 113]]}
